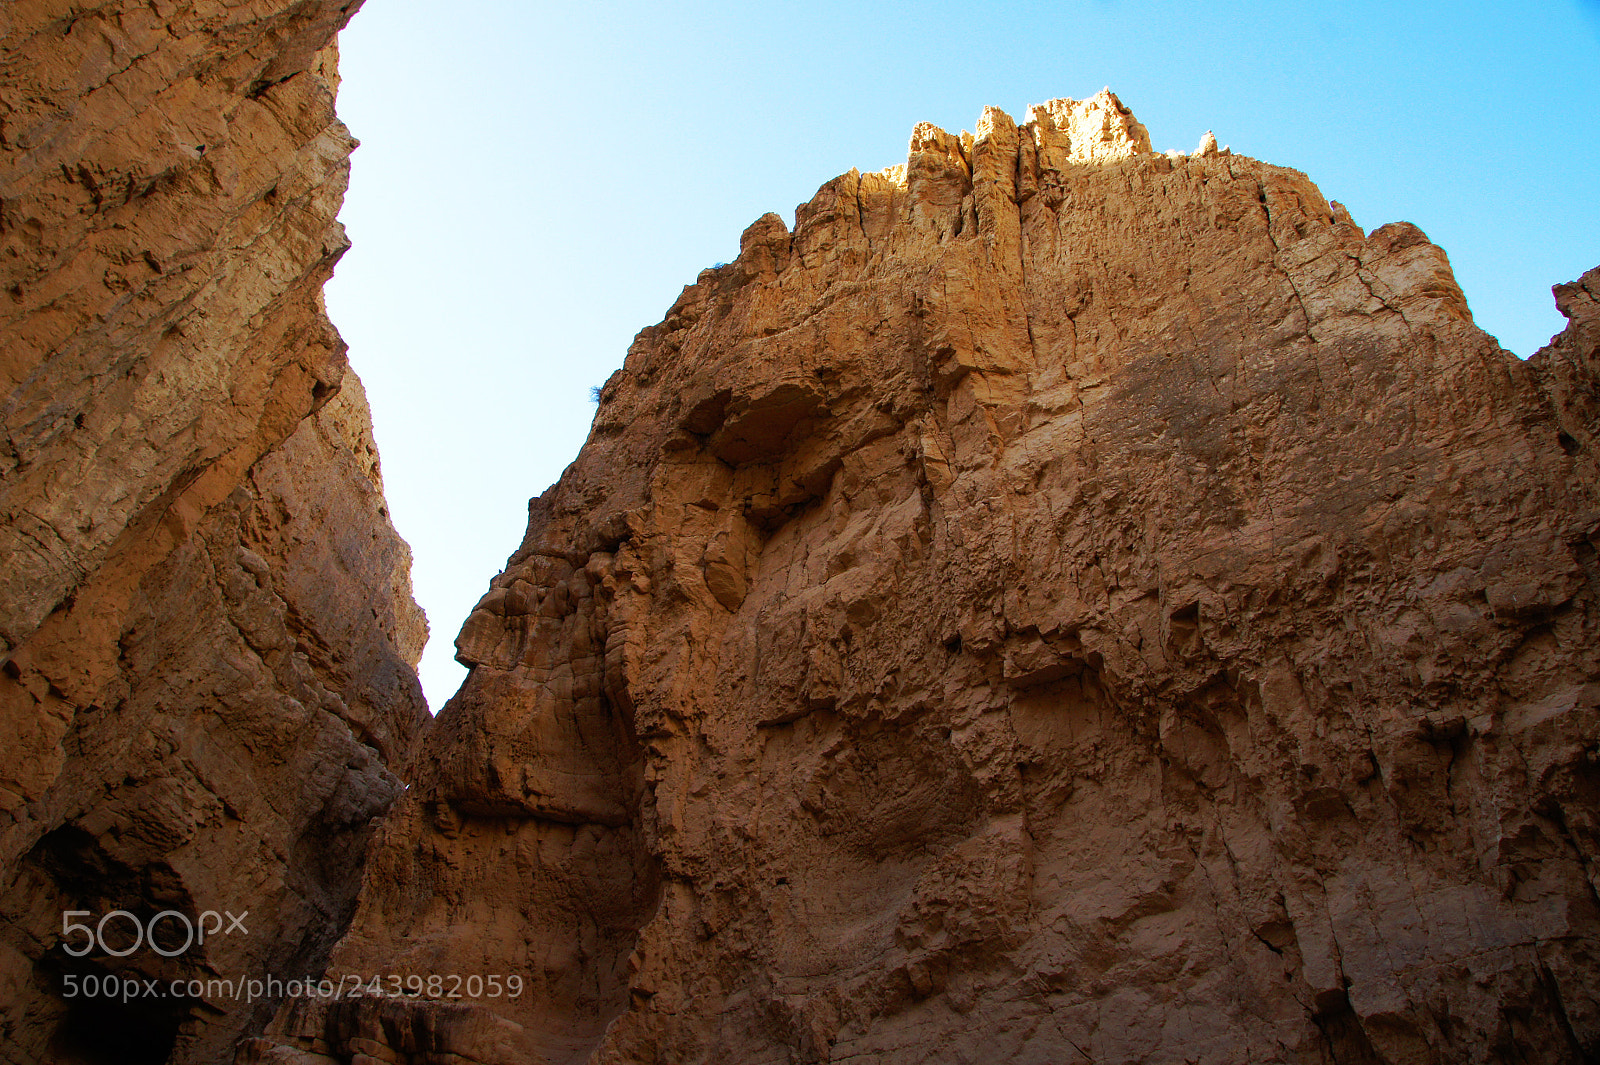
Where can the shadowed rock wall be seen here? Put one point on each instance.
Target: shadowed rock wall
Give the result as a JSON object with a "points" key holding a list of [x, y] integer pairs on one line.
{"points": [[207, 638]]}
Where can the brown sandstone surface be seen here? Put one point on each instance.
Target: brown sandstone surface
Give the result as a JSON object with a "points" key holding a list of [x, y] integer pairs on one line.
{"points": [[206, 629], [1060, 603]]}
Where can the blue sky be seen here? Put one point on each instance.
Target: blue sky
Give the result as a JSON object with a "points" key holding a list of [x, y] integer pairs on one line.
{"points": [[537, 182]]}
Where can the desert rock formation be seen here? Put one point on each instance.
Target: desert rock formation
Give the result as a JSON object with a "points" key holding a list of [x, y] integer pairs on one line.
{"points": [[1061, 602], [206, 630]]}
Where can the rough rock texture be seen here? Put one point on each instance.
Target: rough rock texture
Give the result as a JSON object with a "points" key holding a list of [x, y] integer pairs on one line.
{"points": [[207, 638], [1060, 603]]}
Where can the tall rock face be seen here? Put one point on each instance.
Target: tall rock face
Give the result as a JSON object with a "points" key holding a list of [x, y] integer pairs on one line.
{"points": [[1061, 602], [207, 638]]}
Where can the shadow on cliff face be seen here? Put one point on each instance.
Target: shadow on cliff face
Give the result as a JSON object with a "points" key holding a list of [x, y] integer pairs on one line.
{"points": [[108, 1032], [115, 1002], [529, 792], [107, 1028]]}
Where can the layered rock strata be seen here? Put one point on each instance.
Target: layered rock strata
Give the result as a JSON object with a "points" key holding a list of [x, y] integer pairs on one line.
{"points": [[207, 638], [1060, 603]]}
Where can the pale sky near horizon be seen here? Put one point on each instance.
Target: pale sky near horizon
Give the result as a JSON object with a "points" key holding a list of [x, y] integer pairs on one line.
{"points": [[537, 182]]}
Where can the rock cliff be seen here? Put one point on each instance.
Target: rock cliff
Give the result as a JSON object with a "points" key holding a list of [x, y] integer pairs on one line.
{"points": [[1060, 603], [207, 638]]}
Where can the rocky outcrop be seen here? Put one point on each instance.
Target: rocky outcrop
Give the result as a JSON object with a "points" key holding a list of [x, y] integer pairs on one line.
{"points": [[1061, 602], [206, 629]]}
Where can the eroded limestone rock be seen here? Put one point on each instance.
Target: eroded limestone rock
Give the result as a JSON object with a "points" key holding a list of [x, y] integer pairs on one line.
{"points": [[207, 637], [1062, 602]]}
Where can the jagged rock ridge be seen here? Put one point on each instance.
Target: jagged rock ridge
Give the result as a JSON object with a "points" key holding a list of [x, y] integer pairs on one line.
{"points": [[1061, 602], [207, 635]]}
